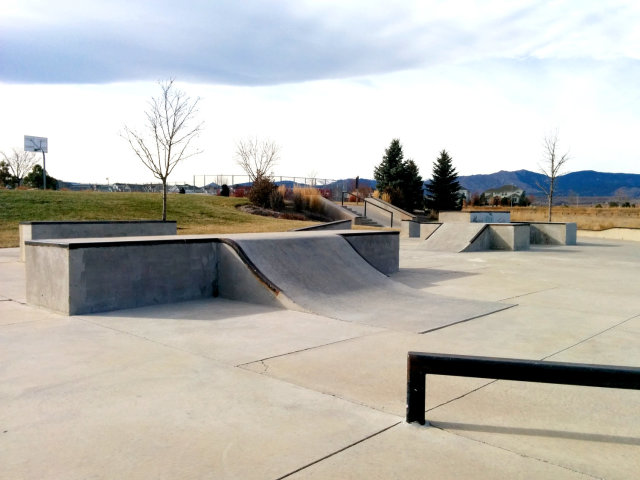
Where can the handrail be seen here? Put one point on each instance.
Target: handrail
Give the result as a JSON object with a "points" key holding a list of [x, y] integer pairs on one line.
{"points": [[364, 200], [589, 375]]}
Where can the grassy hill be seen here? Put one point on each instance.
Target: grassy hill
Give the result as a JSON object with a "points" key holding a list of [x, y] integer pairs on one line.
{"points": [[194, 213]]}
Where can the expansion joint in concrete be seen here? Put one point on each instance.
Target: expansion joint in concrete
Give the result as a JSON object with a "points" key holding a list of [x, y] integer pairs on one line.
{"points": [[592, 336], [375, 434], [487, 444]]}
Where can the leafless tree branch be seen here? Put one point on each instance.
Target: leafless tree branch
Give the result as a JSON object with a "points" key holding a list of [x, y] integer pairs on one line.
{"points": [[20, 163], [257, 158], [552, 164], [168, 136]]}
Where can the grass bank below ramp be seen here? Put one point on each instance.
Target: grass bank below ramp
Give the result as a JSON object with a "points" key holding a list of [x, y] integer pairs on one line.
{"points": [[195, 214]]}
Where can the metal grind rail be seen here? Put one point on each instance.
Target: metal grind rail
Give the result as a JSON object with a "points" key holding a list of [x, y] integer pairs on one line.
{"points": [[421, 364], [364, 200]]}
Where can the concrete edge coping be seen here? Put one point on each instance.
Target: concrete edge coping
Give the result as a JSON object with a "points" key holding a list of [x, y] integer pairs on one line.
{"points": [[90, 222], [75, 243]]}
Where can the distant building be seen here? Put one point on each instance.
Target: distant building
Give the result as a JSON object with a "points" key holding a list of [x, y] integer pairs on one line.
{"points": [[510, 192]]}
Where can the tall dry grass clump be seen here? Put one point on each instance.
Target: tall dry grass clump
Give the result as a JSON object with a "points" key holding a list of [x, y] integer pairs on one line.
{"points": [[307, 198], [385, 197], [587, 218]]}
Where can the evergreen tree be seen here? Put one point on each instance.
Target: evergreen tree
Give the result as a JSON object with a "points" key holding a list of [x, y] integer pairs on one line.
{"points": [[444, 187], [34, 179], [6, 179], [399, 178]]}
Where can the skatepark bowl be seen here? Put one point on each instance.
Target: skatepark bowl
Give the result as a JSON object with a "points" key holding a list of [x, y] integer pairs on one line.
{"points": [[290, 360]]}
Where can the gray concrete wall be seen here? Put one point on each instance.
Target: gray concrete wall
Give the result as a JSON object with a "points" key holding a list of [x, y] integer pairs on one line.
{"points": [[474, 217], [511, 236], [92, 229], [47, 277], [336, 212], [380, 249], [543, 233], [378, 210]]}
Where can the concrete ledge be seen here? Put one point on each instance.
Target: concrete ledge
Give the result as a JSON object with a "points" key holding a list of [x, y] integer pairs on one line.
{"points": [[510, 236], [474, 217], [78, 276], [415, 229], [543, 233], [92, 229]]}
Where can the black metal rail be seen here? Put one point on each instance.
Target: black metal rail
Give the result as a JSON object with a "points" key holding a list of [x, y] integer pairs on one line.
{"points": [[421, 364]]}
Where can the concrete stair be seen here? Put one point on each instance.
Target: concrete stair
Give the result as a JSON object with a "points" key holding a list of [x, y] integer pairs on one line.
{"points": [[361, 219]]}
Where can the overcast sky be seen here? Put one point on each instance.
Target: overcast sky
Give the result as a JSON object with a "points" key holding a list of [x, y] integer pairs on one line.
{"points": [[332, 82]]}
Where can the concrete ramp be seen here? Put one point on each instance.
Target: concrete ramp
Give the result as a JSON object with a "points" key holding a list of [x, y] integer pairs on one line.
{"points": [[459, 237], [325, 275]]}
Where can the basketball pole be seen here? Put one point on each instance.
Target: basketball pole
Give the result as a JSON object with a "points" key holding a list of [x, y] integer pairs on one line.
{"points": [[44, 173]]}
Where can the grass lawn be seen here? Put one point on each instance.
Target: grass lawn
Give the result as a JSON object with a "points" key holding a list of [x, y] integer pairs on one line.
{"points": [[194, 213]]}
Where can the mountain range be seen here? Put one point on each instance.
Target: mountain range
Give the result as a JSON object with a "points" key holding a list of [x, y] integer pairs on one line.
{"points": [[587, 183]]}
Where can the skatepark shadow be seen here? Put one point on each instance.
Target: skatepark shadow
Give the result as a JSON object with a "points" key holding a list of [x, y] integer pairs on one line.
{"points": [[207, 309], [537, 432], [419, 278]]}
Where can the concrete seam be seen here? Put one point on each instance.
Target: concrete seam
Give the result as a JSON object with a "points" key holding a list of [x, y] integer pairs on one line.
{"points": [[528, 293], [506, 307], [262, 360], [513, 452], [590, 337], [339, 451]]}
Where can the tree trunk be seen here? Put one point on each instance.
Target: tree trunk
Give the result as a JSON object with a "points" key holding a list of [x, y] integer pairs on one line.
{"points": [[164, 199]]}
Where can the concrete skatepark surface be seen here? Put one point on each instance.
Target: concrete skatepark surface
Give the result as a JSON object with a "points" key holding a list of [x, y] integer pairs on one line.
{"points": [[215, 388]]}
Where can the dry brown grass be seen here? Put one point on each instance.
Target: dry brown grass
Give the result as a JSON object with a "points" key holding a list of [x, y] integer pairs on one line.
{"points": [[587, 218]]}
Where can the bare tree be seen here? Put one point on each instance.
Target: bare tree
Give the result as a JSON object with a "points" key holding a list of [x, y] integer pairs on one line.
{"points": [[553, 162], [169, 131], [257, 158], [20, 163]]}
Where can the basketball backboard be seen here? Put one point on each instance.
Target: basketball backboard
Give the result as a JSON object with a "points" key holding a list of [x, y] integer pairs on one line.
{"points": [[35, 144]]}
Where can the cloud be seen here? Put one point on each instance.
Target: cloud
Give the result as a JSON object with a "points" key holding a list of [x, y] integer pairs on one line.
{"points": [[265, 43]]}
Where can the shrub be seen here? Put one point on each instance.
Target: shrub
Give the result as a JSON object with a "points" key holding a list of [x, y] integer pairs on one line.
{"points": [[598, 205], [260, 193], [276, 200], [224, 190], [613, 204]]}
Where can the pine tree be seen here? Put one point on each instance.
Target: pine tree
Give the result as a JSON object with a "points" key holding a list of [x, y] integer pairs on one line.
{"points": [[399, 178], [444, 187], [388, 172]]}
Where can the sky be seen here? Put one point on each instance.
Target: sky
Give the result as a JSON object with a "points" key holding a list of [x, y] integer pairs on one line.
{"points": [[332, 82]]}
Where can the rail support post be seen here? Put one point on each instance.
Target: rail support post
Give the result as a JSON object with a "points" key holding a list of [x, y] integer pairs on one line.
{"points": [[416, 392]]}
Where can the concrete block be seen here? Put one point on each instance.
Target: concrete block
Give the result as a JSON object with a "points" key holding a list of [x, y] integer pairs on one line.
{"points": [[510, 236], [93, 229], [380, 249], [543, 233], [474, 217], [414, 229]]}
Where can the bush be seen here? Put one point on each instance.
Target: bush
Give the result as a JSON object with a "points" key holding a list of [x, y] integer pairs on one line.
{"points": [[613, 204], [298, 201], [276, 200], [260, 193], [224, 190], [598, 205]]}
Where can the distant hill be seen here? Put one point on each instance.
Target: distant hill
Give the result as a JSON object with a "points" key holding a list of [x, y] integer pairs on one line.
{"points": [[586, 183]]}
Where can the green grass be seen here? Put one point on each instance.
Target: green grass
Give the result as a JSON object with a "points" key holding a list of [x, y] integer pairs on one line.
{"points": [[194, 213]]}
